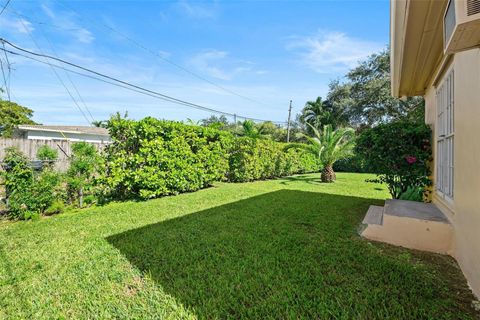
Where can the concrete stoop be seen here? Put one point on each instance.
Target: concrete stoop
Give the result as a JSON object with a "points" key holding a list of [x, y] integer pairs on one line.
{"points": [[409, 224]]}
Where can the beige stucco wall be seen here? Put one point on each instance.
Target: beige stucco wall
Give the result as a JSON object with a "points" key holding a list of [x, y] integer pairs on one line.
{"points": [[430, 236], [464, 212]]}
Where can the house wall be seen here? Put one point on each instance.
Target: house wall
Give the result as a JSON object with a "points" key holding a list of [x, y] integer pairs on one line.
{"points": [[464, 212], [49, 135]]}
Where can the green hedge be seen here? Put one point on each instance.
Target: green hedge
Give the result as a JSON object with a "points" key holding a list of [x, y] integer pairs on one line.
{"points": [[151, 158], [148, 158], [265, 159]]}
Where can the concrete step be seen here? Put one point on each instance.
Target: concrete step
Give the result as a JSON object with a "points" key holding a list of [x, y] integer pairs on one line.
{"points": [[414, 225], [374, 215], [414, 210]]}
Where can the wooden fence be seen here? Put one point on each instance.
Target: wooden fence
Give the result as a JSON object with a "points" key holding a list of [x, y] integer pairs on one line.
{"points": [[30, 148]]}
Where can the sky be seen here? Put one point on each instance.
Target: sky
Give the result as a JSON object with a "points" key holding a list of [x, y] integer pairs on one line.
{"points": [[244, 57]]}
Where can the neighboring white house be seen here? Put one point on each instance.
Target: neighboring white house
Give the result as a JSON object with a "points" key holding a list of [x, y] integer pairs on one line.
{"points": [[70, 133]]}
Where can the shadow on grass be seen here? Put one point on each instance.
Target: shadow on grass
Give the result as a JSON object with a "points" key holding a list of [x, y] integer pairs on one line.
{"points": [[284, 254], [302, 178]]}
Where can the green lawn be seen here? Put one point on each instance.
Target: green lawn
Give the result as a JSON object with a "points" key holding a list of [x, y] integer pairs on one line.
{"points": [[285, 249]]}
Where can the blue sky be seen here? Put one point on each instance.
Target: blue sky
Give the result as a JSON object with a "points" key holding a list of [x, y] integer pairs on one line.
{"points": [[267, 51]]}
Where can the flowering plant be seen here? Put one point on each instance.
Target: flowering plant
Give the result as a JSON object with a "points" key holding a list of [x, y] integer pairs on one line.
{"points": [[411, 159]]}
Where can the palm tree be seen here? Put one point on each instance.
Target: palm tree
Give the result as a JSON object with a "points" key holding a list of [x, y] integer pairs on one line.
{"points": [[99, 123], [314, 112], [249, 129], [329, 145], [191, 122]]}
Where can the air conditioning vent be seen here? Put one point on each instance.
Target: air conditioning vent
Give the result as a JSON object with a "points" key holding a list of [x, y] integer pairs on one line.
{"points": [[473, 7]]}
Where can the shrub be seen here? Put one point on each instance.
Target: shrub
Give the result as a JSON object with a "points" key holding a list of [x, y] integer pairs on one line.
{"points": [[18, 174], [56, 207], [151, 158], [28, 193], [84, 163], [47, 153], [253, 159], [355, 163], [413, 194], [399, 153]]}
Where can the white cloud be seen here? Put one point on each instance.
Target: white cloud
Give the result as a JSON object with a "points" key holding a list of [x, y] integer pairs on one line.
{"points": [[164, 54], [49, 12], [332, 51], [196, 11], [84, 36], [66, 21], [19, 25], [211, 63]]}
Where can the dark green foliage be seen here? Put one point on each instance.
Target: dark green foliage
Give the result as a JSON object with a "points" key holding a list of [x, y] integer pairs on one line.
{"points": [[354, 163], [365, 96], [399, 152], [28, 193], [215, 122], [84, 164], [151, 158], [320, 112]]}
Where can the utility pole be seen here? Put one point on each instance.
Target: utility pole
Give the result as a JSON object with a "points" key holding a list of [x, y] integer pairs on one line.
{"points": [[235, 124], [288, 123]]}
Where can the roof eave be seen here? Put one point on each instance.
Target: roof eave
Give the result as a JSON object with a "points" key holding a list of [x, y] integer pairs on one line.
{"points": [[416, 37], [62, 131]]}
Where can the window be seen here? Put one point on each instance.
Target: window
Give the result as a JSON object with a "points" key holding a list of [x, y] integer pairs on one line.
{"points": [[449, 21], [445, 137]]}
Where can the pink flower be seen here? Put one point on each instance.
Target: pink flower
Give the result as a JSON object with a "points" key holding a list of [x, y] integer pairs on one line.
{"points": [[411, 159]]}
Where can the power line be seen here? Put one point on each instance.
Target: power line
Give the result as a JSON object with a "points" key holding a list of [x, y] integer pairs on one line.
{"points": [[9, 67], [67, 75], [5, 6], [143, 47], [54, 71], [124, 84], [5, 80]]}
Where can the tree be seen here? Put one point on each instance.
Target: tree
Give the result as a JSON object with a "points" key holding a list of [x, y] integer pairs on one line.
{"points": [[215, 122], [192, 122], [99, 123], [365, 96], [12, 115], [250, 129], [329, 145], [314, 112], [320, 112]]}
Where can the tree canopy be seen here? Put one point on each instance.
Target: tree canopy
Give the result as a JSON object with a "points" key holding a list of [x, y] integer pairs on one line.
{"points": [[12, 115], [320, 113], [365, 95]]}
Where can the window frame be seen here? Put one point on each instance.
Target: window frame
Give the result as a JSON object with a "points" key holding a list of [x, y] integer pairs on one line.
{"points": [[445, 137]]}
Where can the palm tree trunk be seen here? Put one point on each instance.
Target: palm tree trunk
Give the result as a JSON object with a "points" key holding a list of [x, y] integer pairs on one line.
{"points": [[328, 175]]}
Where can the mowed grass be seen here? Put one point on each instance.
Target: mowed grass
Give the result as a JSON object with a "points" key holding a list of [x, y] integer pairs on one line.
{"points": [[284, 249]]}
